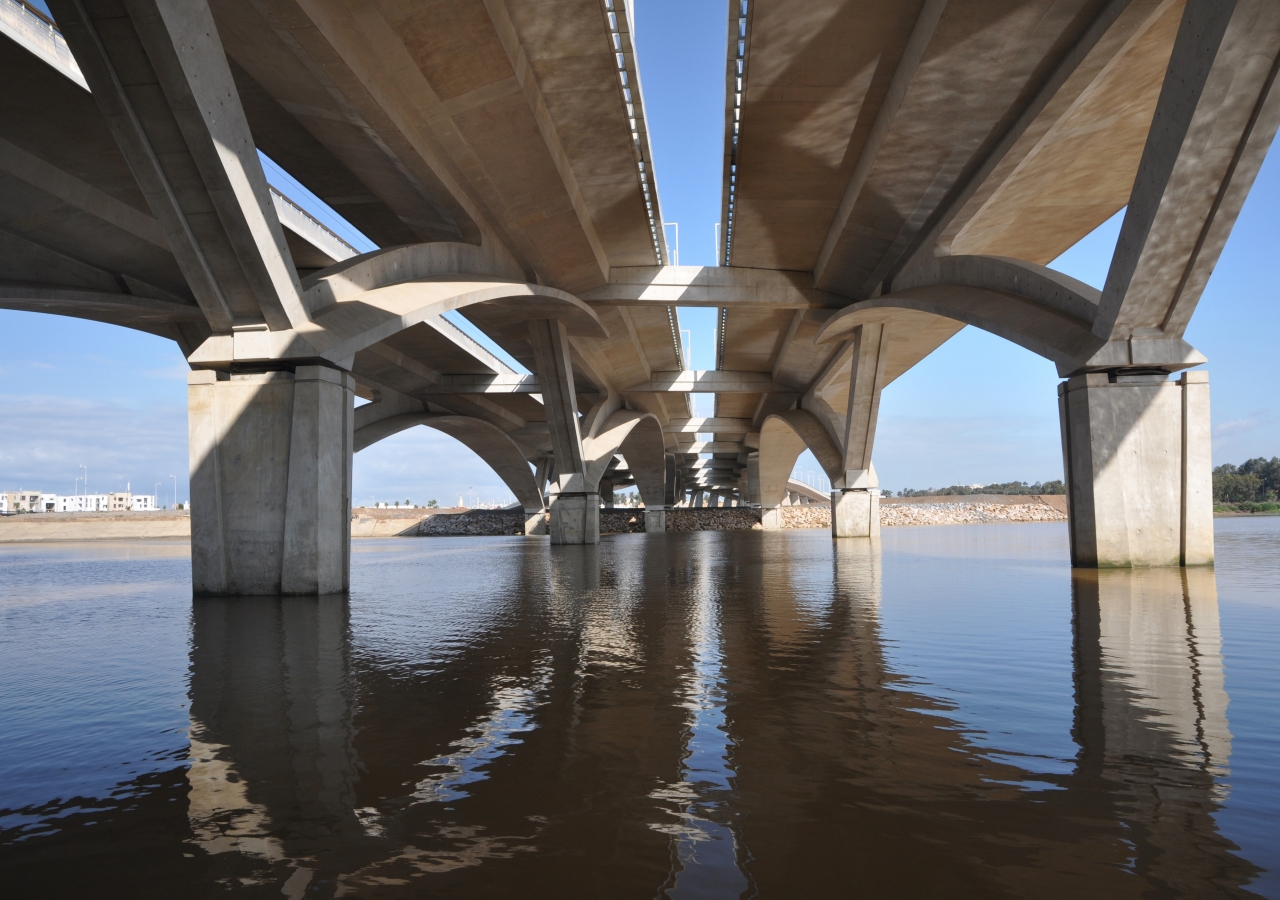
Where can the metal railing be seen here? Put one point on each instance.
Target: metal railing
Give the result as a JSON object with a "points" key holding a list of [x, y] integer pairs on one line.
{"points": [[31, 28], [311, 229]]}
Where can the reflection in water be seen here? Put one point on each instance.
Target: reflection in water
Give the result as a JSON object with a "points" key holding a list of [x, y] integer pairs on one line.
{"points": [[1151, 716], [710, 715], [704, 848]]}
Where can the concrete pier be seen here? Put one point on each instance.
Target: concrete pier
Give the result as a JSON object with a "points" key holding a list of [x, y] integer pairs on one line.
{"points": [[271, 481], [1136, 450], [855, 513], [575, 518]]}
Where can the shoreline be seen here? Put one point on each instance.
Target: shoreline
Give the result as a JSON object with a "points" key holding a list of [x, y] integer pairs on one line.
{"points": [[457, 522]]}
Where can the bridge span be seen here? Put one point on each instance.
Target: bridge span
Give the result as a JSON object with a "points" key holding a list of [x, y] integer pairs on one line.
{"points": [[893, 171]]}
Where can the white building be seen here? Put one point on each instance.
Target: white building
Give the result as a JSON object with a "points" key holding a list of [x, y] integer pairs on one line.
{"points": [[20, 501], [38, 501]]}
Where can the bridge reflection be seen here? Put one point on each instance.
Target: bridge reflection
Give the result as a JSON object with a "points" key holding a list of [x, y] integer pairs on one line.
{"points": [[717, 717]]}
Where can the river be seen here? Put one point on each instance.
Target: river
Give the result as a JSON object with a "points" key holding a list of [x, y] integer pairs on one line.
{"points": [[950, 713]]}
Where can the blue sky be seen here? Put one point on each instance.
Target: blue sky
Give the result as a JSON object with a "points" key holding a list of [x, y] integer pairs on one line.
{"points": [[978, 410]]}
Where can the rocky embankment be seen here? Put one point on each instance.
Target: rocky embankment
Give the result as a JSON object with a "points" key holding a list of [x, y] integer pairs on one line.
{"points": [[967, 513], [893, 512]]}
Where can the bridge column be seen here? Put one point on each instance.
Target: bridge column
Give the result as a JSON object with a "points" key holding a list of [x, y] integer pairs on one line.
{"points": [[575, 510], [855, 504], [1136, 451], [271, 481]]}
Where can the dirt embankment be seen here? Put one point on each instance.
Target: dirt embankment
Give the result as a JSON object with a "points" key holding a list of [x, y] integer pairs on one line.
{"points": [[122, 526]]}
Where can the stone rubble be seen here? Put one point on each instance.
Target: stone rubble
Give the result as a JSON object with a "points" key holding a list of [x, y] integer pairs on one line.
{"points": [[966, 513], [615, 521], [481, 523], [718, 518]]}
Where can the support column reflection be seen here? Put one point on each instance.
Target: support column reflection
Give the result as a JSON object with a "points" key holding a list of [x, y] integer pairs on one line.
{"points": [[1151, 718], [273, 768], [705, 849]]}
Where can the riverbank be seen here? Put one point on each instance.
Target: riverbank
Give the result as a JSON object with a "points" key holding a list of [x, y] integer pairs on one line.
{"points": [[405, 522], [121, 526]]}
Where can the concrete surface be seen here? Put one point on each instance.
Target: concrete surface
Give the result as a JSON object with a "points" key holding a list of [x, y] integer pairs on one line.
{"points": [[894, 171]]}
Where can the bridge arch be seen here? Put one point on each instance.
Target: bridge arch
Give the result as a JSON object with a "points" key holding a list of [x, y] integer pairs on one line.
{"points": [[1049, 313], [637, 436], [488, 442], [783, 437]]}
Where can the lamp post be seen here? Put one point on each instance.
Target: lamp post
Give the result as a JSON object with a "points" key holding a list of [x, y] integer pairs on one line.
{"points": [[676, 226], [175, 489], [86, 479]]}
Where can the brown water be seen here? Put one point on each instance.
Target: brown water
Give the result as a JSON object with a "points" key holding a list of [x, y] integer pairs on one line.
{"points": [[949, 714]]}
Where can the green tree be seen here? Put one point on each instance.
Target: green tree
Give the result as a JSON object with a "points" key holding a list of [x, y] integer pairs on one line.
{"points": [[1254, 481]]}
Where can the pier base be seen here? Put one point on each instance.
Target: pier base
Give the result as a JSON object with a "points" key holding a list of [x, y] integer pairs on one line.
{"points": [[1136, 451], [575, 518], [271, 482], [655, 521], [855, 513]]}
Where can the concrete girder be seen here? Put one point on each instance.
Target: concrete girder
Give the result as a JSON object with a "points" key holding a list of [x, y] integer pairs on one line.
{"points": [[710, 425], [782, 439], [638, 438], [1046, 312], [395, 412], [341, 330], [721, 286], [298, 71], [708, 382], [180, 322], [1214, 121], [161, 79], [575, 504]]}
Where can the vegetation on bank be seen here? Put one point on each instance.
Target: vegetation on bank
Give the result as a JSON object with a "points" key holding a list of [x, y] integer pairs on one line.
{"points": [[1256, 481], [1009, 487]]}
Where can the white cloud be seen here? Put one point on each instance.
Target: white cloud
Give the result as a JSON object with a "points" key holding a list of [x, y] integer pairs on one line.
{"points": [[46, 438], [1237, 426]]}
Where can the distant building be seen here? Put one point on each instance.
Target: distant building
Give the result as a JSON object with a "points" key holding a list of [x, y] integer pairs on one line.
{"points": [[20, 501], [37, 501]]}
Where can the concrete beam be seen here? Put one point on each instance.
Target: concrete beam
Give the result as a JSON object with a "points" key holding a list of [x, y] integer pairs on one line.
{"points": [[486, 384], [1214, 122], [711, 286], [904, 74], [168, 95], [713, 447], [709, 425], [709, 382]]}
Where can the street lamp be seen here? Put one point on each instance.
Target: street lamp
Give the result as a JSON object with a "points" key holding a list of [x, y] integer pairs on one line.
{"points": [[175, 489], [86, 479], [676, 226]]}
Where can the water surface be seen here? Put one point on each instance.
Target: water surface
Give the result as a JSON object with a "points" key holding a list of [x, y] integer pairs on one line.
{"points": [[950, 713]]}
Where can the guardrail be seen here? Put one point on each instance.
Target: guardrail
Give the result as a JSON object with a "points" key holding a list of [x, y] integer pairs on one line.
{"points": [[34, 30], [298, 220]]}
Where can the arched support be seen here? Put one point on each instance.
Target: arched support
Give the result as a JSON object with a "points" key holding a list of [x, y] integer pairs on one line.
{"points": [[638, 437], [487, 441], [1135, 448], [783, 437]]}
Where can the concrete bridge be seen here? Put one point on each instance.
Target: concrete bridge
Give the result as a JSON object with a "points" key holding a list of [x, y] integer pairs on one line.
{"points": [[893, 172]]}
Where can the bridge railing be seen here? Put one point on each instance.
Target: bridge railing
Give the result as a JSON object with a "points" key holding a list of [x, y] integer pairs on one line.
{"points": [[34, 30]]}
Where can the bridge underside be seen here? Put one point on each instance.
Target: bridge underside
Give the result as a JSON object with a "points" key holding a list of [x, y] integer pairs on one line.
{"points": [[893, 172]]}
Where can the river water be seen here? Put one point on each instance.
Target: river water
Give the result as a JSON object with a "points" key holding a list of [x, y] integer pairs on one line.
{"points": [[951, 713]]}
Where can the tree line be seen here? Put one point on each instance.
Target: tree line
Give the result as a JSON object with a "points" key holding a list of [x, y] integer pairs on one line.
{"points": [[1253, 481], [1009, 487]]}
